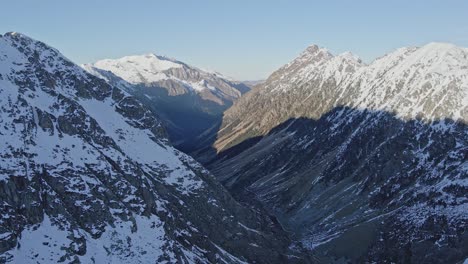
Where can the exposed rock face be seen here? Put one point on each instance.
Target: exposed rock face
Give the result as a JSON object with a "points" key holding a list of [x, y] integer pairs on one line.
{"points": [[189, 101], [362, 162], [87, 175]]}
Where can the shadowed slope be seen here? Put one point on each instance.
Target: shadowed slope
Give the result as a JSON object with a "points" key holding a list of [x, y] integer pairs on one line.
{"points": [[397, 187]]}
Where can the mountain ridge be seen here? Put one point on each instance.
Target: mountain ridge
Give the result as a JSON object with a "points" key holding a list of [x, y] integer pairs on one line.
{"points": [[342, 81], [341, 151], [89, 175]]}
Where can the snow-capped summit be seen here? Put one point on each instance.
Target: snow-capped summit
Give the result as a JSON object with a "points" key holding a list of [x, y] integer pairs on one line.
{"points": [[429, 82], [138, 69], [312, 55], [154, 70], [349, 56], [440, 46], [314, 50], [314, 63], [428, 55]]}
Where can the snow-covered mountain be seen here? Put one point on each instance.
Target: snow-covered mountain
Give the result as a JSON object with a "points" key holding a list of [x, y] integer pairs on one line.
{"points": [[410, 82], [190, 101], [87, 175], [341, 151]]}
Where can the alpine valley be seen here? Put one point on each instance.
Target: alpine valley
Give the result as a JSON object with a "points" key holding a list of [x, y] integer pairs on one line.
{"points": [[145, 159]]}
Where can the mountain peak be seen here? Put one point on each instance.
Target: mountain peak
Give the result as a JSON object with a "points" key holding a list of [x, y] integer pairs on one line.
{"points": [[14, 34], [312, 55], [18, 36], [435, 57], [312, 48], [154, 56], [315, 50], [149, 56], [18, 47], [348, 55], [136, 69], [434, 50], [439, 46]]}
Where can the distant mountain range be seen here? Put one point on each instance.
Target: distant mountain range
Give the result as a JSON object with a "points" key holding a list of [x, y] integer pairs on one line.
{"points": [[189, 101]]}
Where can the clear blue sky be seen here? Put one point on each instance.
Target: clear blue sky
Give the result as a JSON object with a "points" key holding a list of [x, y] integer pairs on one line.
{"points": [[243, 39]]}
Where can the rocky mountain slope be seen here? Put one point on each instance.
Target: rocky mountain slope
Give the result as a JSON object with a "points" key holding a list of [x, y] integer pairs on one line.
{"points": [[364, 163], [189, 101], [87, 175]]}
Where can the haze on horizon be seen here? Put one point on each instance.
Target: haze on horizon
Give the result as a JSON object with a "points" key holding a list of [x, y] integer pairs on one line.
{"points": [[246, 40]]}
